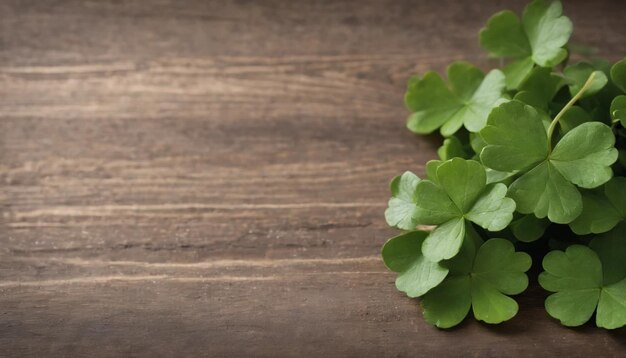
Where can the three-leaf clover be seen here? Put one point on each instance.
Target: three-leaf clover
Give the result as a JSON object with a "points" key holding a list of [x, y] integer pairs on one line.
{"points": [[417, 275], [401, 208], [517, 139], [537, 39], [481, 283], [602, 210], [586, 280], [456, 192], [466, 101], [515, 154]]}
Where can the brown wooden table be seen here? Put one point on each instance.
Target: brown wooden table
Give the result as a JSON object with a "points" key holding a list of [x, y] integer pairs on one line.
{"points": [[208, 178]]}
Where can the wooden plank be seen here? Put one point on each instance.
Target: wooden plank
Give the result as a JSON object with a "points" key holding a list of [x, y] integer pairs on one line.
{"points": [[294, 307], [209, 177]]}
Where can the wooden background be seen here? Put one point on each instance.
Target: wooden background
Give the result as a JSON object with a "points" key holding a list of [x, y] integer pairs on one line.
{"points": [[189, 178]]}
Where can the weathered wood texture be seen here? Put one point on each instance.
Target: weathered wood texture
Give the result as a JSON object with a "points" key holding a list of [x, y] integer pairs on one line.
{"points": [[186, 178]]}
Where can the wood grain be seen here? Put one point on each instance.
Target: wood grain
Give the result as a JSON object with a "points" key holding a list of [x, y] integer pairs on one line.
{"points": [[207, 178]]}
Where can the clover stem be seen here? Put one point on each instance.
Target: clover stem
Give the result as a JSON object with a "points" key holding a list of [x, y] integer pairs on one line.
{"points": [[569, 104]]}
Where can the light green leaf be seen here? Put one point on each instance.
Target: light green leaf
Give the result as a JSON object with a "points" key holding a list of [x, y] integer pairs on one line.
{"points": [[585, 154], [516, 72], [431, 170], [445, 241], [540, 35], [493, 210], [434, 206], [576, 75], [504, 36], [545, 192], [417, 275], [460, 192], [463, 181], [487, 96], [515, 136], [540, 87], [547, 31], [431, 102], [496, 176], [467, 100], [401, 209], [452, 148]]}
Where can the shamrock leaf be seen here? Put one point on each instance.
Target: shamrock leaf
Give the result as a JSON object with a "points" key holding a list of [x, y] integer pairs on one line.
{"points": [[528, 228], [537, 39], [497, 271], [618, 109], [618, 74], [585, 281], [576, 75], [539, 88], [457, 191], [602, 210], [451, 148], [417, 275], [401, 208], [517, 140], [465, 102]]}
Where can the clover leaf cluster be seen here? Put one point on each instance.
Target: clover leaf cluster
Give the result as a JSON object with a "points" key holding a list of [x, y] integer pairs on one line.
{"points": [[533, 164]]}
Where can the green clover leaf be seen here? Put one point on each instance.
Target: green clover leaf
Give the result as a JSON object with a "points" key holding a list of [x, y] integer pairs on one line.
{"points": [[457, 191], [537, 39], [618, 74], [452, 147], [517, 140], [529, 228], [603, 209], [496, 272], [585, 281], [618, 109], [400, 212], [539, 88], [466, 101], [417, 274], [576, 75]]}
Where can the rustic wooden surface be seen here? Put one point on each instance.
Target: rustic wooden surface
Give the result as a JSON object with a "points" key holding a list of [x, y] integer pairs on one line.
{"points": [[189, 178]]}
